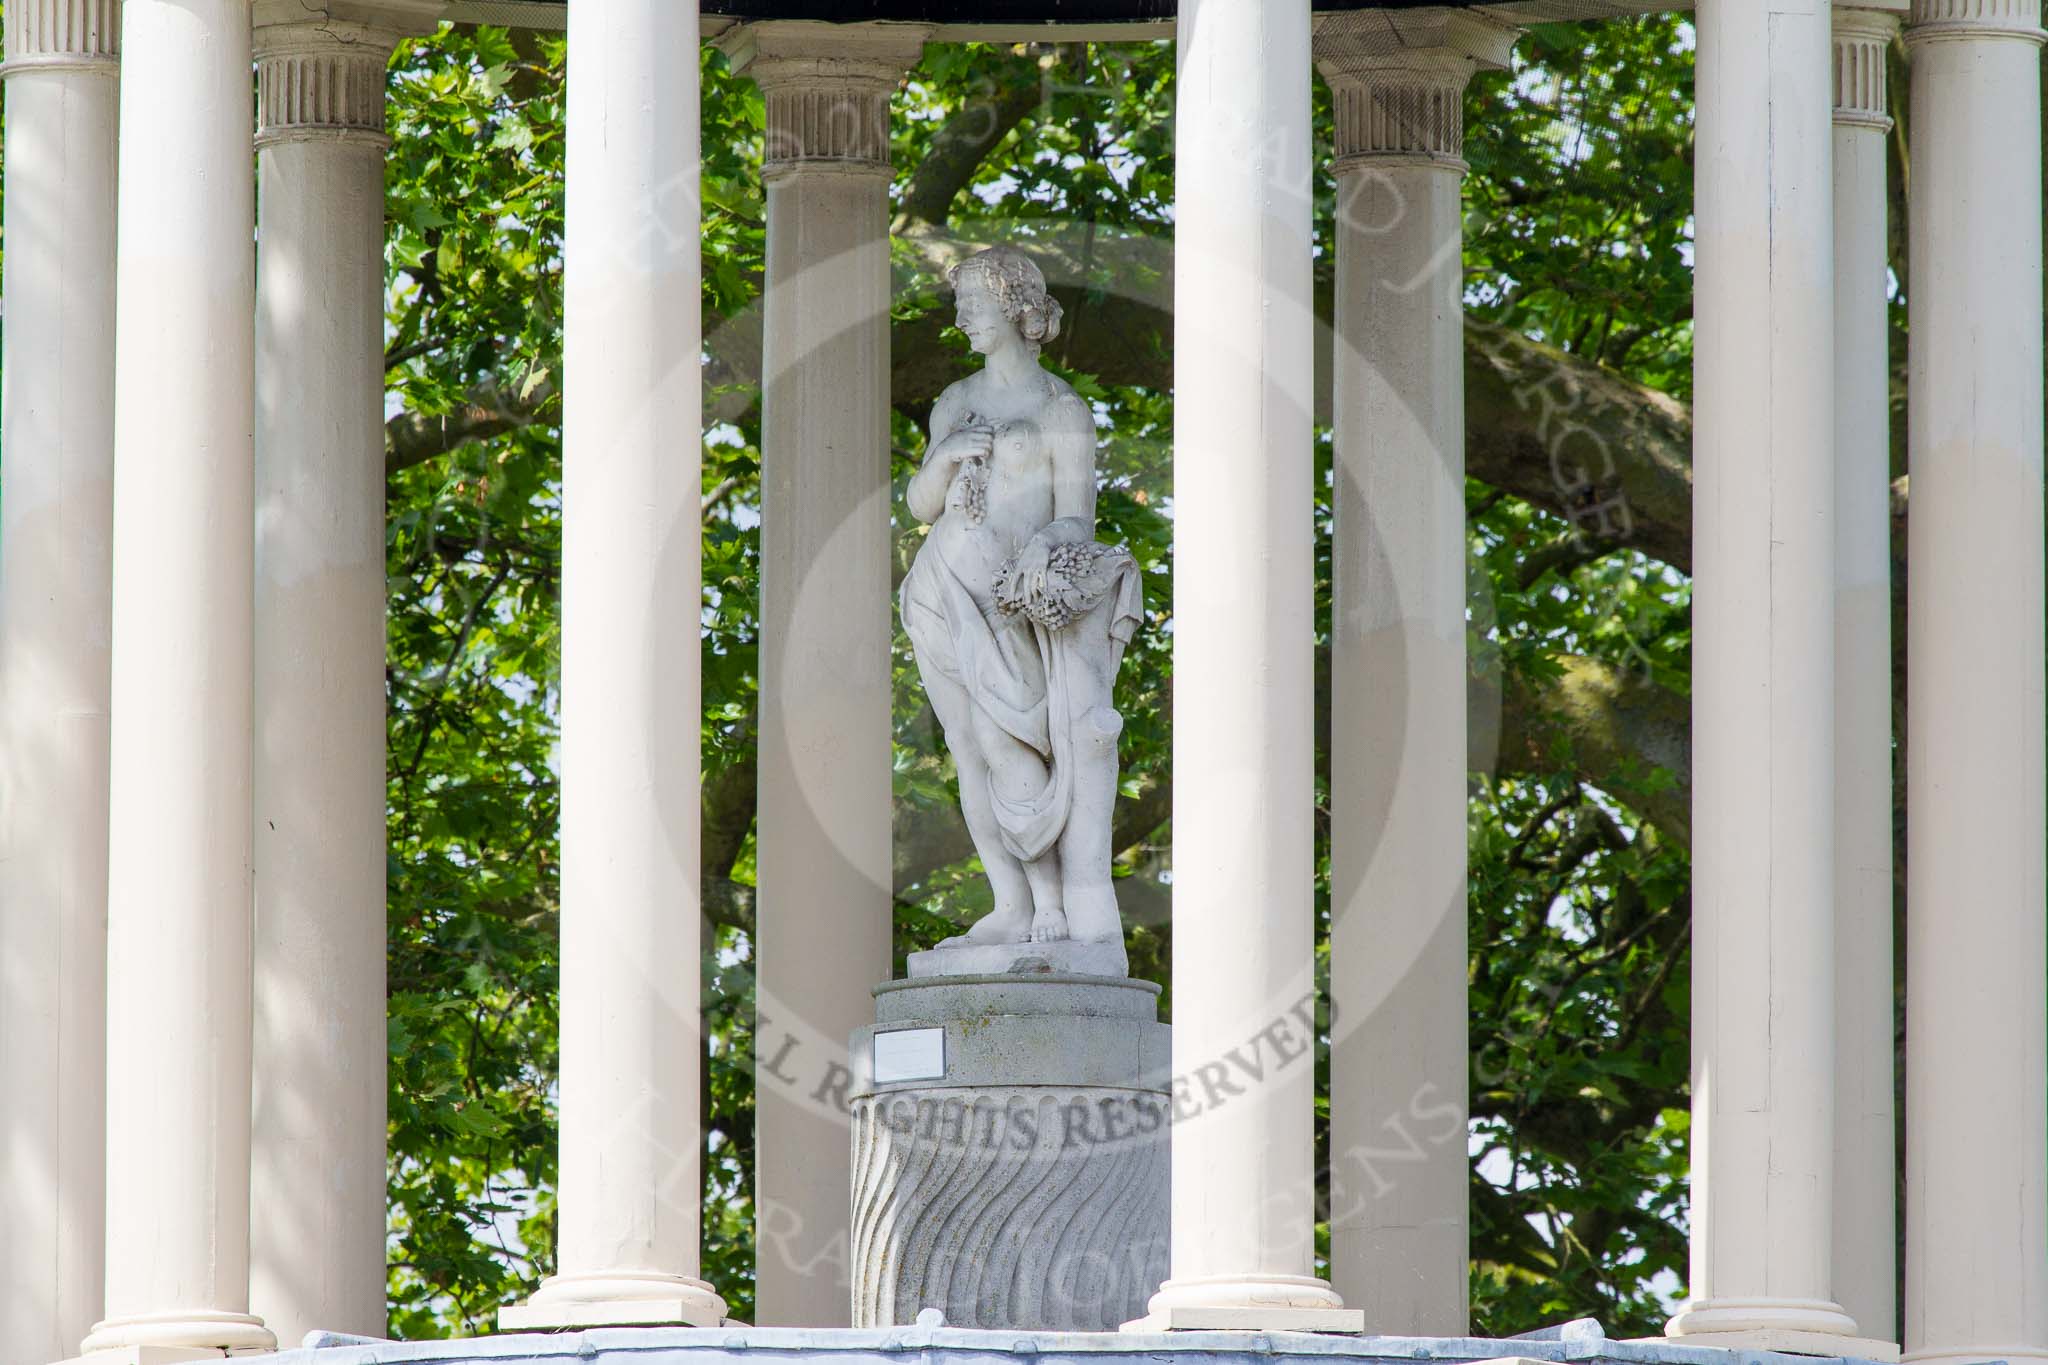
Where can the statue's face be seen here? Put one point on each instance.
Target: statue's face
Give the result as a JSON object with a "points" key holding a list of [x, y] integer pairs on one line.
{"points": [[979, 315]]}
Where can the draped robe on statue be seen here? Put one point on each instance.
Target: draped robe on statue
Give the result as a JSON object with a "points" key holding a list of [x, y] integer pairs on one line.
{"points": [[1021, 657]]}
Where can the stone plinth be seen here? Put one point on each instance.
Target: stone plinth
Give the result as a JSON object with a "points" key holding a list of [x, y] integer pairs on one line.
{"points": [[1064, 957], [1010, 1158], [946, 1345]]}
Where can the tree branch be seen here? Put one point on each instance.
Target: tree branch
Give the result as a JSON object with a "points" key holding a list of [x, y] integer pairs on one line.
{"points": [[958, 149], [490, 409], [1610, 456], [1605, 725]]}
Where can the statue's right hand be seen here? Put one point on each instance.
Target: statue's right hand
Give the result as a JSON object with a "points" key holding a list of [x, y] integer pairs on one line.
{"points": [[968, 443]]}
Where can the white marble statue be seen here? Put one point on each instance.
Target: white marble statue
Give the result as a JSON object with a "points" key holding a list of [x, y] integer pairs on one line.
{"points": [[1019, 617]]}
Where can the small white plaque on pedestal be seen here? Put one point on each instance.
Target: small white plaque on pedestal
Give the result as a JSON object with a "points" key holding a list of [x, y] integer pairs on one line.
{"points": [[910, 1054]]}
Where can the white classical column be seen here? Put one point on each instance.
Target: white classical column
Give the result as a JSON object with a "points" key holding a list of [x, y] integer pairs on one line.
{"points": [[56, 518], [1244, 1189], [1763, 682], [632, 1028], [178, 898], [1399, 1169], [317, 1245], [1865, 1169], [1976, 1283], [824, 898]]}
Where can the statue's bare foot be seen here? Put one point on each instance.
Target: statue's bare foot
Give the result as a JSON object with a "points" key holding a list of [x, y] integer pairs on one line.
{"points": [[1004, 924], [1049, 926]]}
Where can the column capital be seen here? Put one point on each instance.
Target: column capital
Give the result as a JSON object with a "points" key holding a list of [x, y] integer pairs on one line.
{"points": [[1398, 77], [827, 89], [1862, 33], [320, 66], [63, 35], [1949, 20]]}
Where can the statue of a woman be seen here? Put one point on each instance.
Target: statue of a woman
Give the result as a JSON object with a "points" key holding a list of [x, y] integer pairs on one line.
{"points": [[1019, 617]]}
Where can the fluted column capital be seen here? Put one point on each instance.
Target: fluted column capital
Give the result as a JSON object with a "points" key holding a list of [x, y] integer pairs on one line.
{"points": [[1862, 33], [1933, 21], [320, 67], [63, 35], [1397, 80], [827, 88]]}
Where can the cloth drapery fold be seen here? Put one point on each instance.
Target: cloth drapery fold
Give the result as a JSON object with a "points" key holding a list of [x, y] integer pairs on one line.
{"points": [[1023, 674]]}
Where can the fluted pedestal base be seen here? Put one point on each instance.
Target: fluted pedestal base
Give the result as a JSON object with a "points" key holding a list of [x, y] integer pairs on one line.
{"points": [[1010, 1157]]}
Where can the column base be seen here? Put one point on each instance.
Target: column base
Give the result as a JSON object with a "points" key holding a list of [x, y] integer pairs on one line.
{"points": [[1248, 1303], [1787, 1341], [1747, 1317], [620, 1299], [200, 1334], [162, 1355], [154, 1355]]}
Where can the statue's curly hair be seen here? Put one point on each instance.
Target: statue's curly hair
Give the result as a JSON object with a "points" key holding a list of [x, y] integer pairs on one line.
{"points": [[1018, 286]]}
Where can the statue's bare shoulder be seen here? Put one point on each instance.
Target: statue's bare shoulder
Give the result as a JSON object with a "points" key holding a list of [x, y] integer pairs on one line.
{"points": [[952, 405], [1068, 412]]}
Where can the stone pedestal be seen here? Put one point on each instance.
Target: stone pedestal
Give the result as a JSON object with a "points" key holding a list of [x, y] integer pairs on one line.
{"points": [[1010, 1158]]}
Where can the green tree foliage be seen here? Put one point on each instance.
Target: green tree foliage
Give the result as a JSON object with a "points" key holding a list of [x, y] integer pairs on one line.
{"points": [[1578, 207]]}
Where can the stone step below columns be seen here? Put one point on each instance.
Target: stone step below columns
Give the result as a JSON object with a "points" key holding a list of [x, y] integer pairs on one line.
{"points": [[1786, 1341]]}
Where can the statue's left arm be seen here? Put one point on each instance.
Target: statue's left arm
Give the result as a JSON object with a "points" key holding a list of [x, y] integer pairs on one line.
{"points": [[1063, 572], [1070, 434]]}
